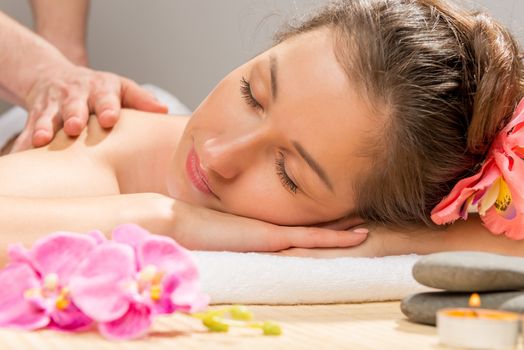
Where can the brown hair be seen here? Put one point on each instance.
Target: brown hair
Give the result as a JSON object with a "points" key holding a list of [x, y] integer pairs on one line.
{"points": [[445, 81]]}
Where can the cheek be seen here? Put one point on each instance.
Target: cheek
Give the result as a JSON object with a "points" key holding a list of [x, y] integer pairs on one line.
{"points": [[258, 194]]}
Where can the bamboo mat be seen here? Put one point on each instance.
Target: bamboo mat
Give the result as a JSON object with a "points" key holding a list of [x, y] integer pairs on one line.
{"points": [[347, 326]]}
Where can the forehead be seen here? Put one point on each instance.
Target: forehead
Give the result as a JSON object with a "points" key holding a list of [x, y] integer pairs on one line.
{"points": [[321, 108]]}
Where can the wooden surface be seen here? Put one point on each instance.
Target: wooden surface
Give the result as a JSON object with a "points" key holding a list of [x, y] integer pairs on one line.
{"points": [[348, 326]]}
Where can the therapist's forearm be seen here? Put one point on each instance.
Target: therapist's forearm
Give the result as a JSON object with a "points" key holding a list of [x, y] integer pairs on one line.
{"points": [[63, 23], [23, 57]]}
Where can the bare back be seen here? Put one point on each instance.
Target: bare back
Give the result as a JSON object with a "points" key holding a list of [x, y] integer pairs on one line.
{"points": [[130, 158]]}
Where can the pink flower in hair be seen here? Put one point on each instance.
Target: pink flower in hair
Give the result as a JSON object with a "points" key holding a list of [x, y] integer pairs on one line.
{"points": [[123, 283], [497, 191], [35, 284]]}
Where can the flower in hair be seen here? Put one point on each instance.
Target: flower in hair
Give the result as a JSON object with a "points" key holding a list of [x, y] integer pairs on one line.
{"points": [[496, 191]]}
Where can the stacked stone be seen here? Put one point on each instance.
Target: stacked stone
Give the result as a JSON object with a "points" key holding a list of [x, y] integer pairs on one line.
{"points": [[498, 279]]}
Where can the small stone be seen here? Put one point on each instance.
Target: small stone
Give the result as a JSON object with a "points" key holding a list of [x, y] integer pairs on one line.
{"points": [[514, 304], [470, 272], [423, 307]]}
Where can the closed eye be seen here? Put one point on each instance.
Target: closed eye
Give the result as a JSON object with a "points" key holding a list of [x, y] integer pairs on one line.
{"points": [[247, 95], [282, 174]]}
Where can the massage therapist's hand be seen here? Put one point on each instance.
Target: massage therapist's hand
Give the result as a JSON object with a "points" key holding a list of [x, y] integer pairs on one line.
{"points": [[205, 229], [65, 96]]}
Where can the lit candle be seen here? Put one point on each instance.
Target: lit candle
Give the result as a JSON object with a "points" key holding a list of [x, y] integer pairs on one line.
{"points": [[477, 328]]}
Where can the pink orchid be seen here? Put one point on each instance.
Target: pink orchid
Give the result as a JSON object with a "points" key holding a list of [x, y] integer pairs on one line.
{"points": [[123, 283], [35, 290], [496, 191]]}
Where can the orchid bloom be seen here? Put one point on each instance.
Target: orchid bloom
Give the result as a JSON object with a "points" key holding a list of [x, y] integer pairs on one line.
{"points": [[123, 283], [35, 285], [496, 191]]}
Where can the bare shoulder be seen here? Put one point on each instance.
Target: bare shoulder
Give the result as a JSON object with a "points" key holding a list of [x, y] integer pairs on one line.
{"points": [[134, 130]]}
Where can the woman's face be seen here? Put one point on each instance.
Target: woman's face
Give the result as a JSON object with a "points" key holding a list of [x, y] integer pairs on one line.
{"points": [[277, 139]]}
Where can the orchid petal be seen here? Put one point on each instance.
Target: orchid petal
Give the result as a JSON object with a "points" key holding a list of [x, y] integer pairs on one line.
{"points": [[99, 286], [19, 254], [70, 319], [60, 253], [98, 236], [133, 324], [188, 297], [15, 309], [165, 305], [130, 234], [168, 256]]}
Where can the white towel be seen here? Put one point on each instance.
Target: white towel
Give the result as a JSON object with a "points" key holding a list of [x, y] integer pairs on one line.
{"points": [[253, 278]]}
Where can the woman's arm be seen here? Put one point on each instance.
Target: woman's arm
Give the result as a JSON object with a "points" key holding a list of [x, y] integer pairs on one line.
{"points": [[24, 220]]}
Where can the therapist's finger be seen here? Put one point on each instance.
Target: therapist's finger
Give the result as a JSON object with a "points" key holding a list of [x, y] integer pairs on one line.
{"points": [[46, 125], [22, 142], [134, 96], [106, 105], [75, 114]]}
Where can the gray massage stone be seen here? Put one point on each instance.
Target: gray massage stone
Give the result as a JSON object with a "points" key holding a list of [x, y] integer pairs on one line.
{"points": [[470, 272], [423, 307]]}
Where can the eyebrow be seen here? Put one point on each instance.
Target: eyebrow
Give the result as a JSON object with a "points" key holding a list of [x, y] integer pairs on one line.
{"points": [[313, 164], [273, 69]]}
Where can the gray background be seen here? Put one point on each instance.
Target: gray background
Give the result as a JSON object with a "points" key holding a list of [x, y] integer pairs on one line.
{"points": [[187, 46]]}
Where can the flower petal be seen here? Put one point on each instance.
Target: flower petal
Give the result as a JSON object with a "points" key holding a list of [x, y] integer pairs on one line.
{"points": [[70, 319], [15, 309], [130, 234], [170, 257], [449, 209], [188, 297], [165, 305], [19, 254], [133, 324], [99, 286], [60, 253]]}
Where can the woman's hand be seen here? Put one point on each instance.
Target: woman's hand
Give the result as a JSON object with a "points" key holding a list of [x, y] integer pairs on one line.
{"points": [[67, 94], [205, 229]]}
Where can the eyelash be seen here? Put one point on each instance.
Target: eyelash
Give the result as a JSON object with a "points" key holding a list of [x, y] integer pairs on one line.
{"points": [[247, 95], [280, 163], [281, 172]]}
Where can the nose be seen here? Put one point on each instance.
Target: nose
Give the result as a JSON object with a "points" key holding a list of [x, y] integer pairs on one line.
{"points": [[228, 154]]}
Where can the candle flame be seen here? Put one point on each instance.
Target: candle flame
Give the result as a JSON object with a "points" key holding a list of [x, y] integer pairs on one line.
{"points": [[474, 300]]}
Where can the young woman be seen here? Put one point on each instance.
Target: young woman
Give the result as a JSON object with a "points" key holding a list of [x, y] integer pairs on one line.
{"points": [[363, 117]]}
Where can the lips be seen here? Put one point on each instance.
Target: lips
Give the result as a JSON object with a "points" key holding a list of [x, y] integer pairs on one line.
{"points": [[196, 174]]}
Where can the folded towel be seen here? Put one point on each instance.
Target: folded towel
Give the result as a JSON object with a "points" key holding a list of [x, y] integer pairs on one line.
{"points": [[254, 278]]}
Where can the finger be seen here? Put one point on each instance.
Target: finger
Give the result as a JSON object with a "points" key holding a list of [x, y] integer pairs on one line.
{"points": [[341, 224], [75, 114], [133, 96], [312, 237], [46, 125], [107, 108], [22, 142]]}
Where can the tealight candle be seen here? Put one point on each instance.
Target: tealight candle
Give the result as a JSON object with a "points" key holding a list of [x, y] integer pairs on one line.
{"points": [[477, 328]]}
